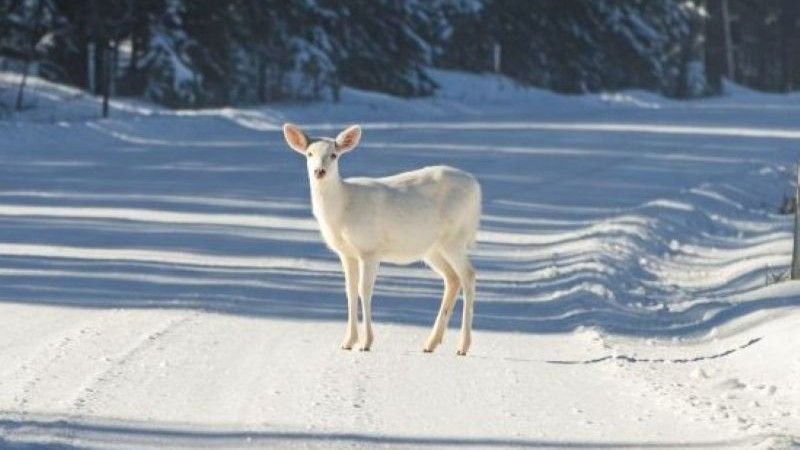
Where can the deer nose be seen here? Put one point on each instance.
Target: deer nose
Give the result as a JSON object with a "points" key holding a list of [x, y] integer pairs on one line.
{"points": [[319, 173]]}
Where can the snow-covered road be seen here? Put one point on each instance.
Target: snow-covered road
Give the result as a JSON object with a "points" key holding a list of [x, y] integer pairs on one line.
{"points": [[162, 282]]}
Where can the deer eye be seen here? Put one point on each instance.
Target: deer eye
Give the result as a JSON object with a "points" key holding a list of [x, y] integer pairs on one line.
{"points": [[309, 154], [333, 155]]}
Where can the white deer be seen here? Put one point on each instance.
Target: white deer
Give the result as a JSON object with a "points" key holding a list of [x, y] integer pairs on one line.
{"points": [[431, 214]]}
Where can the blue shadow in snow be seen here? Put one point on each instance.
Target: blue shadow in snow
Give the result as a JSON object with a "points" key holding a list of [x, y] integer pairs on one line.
{"points": [[101, 431], [306, 295]]}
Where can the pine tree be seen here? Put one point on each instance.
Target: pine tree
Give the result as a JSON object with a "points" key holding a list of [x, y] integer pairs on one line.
{"points": [[767, 36], [171, 75], [234, 52], [381, 46], [579, 45], [25, 34]]}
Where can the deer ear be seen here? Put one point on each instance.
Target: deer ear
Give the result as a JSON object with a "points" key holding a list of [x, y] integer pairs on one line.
{"points": [[348, 139], [297, 140]]}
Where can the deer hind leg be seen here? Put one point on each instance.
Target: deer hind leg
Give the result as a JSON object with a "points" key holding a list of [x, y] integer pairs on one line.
{"points": [[451, 287], [459, 261]]}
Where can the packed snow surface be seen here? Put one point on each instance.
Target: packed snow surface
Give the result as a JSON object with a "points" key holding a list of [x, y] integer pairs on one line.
{"points": [[163, 283]]}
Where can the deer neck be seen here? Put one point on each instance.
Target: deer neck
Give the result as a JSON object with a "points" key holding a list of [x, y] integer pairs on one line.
{"points": [[328, 198]]}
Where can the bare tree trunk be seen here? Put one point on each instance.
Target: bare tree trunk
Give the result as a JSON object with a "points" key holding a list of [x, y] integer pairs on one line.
{"points": [[714, 46], [109, 67], [114, 69], [21, 91], [90, 66], [795, 274], [37, 18], [105, 67], [726, 27]]}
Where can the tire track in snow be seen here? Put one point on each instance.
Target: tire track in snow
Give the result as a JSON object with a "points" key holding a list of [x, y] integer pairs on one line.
{"points": [[39, 365], [30, 386], [89, 391], [343, 389], [359, 398]]}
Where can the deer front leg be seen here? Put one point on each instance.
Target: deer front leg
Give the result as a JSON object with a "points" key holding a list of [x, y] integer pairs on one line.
{"points": [[350, 267], [368, 271]]}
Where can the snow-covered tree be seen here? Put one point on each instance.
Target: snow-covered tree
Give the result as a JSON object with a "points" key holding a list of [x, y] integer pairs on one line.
{"points": [[381, 45], [577, 45], [172, 77], [230, 52]]}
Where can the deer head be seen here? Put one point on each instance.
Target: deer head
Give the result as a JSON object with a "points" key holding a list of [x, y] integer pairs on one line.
{"points": [[322, 154]]}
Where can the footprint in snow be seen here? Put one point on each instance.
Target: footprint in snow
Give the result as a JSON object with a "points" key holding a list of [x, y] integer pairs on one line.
{"points": [[731, 383]]}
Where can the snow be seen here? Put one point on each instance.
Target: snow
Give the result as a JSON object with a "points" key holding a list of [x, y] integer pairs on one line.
{"points": [[164, 284]]}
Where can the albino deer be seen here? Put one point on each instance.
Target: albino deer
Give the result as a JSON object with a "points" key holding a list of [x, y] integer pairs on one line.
{"points": [[431, 214]]}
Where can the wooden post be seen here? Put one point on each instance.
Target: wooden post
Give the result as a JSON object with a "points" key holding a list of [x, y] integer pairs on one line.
{"points": [[795, 273]]}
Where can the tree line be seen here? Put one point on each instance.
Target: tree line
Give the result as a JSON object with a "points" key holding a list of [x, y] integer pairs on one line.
{"points": [[193, 53]]}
